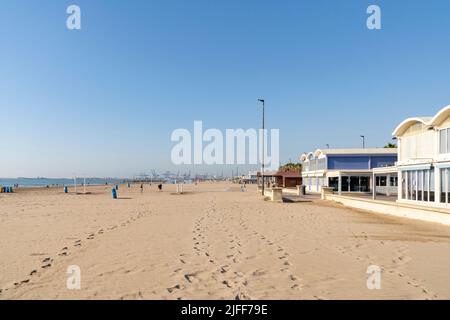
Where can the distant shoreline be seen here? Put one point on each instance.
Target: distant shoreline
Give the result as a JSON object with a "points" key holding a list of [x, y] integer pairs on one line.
{"points": [[54, 182]]}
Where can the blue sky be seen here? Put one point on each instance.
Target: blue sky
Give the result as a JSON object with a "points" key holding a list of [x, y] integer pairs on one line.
{"points": [[103, 101]]}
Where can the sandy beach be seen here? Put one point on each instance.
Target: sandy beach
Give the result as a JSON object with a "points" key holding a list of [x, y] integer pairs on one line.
{"points": [[212, 242]]}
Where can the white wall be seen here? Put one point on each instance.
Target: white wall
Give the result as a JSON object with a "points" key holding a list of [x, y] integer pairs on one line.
{"points": [[417, 145]]}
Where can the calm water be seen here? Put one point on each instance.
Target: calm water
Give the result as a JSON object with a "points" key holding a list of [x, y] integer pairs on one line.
{"points": [[43, 182]]}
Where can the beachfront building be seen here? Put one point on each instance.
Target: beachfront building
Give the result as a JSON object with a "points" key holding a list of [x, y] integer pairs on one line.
{"points": [[424, 159], [349, 170], [250, 178], [281, 179]]}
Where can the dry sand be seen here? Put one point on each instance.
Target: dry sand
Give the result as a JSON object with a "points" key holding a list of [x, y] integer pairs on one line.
{"points": [[213, 242]]}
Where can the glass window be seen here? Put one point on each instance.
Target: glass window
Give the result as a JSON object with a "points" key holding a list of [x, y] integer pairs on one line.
{"points": [[364, 184], [420, 185], [432, 191], [333, 183], [443, 173], [426, 185], [410, 185], [345, 184], [448, 185], [394, 181], [443, 141], [404, 185], [448, 140], [354, 184]]}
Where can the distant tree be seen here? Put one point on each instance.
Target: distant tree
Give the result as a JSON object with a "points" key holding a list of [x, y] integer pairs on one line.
{"points": [[390, 145], [291, 167]]}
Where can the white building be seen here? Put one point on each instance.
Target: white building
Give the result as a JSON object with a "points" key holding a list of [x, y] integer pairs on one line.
{"points": [[349, 170], [251, 177], [424, 159]]}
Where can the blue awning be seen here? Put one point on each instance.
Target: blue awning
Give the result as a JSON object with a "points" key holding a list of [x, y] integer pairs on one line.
{"points": [[416, 167], [443, 165]]}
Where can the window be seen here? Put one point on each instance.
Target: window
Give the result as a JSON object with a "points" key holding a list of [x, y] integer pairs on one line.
{"points": [[394, 181], [333, 183], [410, 186], [448, 185], [418, 185], [414, 185], [381, 181], [444, 141], [448, 140], [321, 181], [321, 164], [443, 173], [345, 183], [432, 191], [404, 184]]}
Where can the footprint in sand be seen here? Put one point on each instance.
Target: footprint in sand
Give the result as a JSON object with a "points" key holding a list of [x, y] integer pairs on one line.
{"points": [[46, 263], [223, 269], [189, 277], [176, 287], [63, 252]]}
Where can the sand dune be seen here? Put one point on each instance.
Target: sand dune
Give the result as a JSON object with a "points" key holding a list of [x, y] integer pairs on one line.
{"points": [[213, 242]]}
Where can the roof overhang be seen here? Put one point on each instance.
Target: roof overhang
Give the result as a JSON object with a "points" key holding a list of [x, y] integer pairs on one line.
{"points": [[402, 127], [440, 117]]}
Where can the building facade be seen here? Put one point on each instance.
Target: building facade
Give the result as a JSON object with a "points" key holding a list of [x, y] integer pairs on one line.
{"points": [[280, 179], [348, 170], [424, 159]]}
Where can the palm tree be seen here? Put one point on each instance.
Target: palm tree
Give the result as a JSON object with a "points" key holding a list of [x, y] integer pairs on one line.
{"points": [[390, 145], [291, 167]]}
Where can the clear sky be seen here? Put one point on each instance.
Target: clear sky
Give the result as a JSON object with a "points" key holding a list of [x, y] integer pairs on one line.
{"points": [[104, 100]]}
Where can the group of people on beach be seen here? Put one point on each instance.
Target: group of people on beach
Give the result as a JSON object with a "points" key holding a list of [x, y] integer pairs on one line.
{"points": [[159, 187]]}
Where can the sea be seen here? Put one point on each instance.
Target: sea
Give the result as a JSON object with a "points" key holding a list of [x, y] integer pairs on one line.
{"points": [[52, 182]]}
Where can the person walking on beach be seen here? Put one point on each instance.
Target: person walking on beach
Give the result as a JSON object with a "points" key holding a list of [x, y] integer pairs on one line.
{"points": [[142, 187], [160, 187]]}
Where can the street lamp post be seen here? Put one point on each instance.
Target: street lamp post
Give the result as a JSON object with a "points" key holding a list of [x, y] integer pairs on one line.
{"points": [[262, 173], [363, 141]]}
